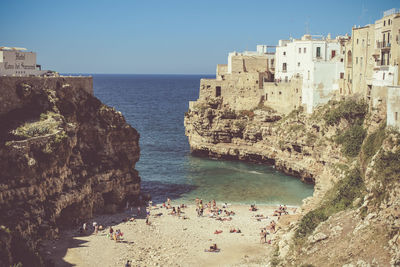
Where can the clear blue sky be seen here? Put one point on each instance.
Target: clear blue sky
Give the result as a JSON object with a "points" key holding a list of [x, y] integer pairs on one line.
{"points": [[167, 36]]}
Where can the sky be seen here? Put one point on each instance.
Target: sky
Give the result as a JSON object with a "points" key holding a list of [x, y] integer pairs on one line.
{"points": [[168, 36]]}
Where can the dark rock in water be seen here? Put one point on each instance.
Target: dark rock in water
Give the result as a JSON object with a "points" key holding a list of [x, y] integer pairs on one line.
{"points": [[63, 157]]}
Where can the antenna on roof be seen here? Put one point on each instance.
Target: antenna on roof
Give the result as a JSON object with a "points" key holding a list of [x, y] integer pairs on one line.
{"points": [[307, 26]]}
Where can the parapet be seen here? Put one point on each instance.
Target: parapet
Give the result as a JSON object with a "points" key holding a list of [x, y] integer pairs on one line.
{"points": [[10, 88]]}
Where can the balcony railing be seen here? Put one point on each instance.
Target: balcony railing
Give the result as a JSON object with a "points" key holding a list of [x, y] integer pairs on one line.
{"points": [[382, 44]]}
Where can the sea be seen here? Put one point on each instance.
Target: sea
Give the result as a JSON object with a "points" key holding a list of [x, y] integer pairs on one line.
{"points": [[155, 105]]}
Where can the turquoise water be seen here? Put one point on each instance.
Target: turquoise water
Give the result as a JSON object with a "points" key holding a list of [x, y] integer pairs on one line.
{"points": [[155, 106]]}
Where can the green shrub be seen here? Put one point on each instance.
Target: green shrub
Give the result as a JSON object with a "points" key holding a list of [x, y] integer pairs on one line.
{"points": [[351, 140], [387, 167], [339, 198], [349, 110], [311, 138], [374, 141], [240, 124]]}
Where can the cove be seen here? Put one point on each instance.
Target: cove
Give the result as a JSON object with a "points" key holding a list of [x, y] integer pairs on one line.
{"points": [[155, 105]]}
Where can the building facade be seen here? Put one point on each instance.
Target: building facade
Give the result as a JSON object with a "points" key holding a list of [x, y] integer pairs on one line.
{"points": [[317, 61], [18, 62], [240, 82]]}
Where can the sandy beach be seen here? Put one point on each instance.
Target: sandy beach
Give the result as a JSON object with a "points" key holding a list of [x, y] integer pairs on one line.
{"points": [[169, 240]]}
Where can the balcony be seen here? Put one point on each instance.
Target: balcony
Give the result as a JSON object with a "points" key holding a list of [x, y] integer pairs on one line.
{"points": [[383, 45]]}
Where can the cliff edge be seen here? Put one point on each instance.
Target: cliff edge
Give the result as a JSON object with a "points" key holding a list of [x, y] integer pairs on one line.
{"points": [[63, 157]]}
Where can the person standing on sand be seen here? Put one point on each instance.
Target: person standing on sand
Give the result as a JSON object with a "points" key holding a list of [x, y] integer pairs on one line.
{"points": [[111, 232], [263, 236]]}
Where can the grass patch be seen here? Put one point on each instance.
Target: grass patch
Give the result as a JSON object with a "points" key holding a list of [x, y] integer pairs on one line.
{"points": [[387, 166], [352, 139], [349, 110], [311, 138], [339, 198], [374, 142], [48, 124]]}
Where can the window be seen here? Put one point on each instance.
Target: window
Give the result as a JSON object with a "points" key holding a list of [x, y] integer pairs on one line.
{"points": [[333, 53], [304, 50], [299, 50], [356, 60], [318, 51], [384, 23], [349, 59], [383, 76], [266, 97], [395, 116], [357, 41], [361, 61], [284, 67], [218, 91], [342, 75], [297, 90], [284, 53], [362, 42], [272, 62], [308, 75], [298, 64]]}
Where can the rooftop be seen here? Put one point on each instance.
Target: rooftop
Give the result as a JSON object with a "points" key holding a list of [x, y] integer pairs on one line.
{"points": [[5, 48]]}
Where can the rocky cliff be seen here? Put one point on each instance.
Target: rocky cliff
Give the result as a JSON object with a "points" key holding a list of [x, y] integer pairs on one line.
{"points": [[344, 149], [63, 157]]}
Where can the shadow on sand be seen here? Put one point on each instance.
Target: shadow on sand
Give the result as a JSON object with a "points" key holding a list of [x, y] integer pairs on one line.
{"points": [[55, 251]]}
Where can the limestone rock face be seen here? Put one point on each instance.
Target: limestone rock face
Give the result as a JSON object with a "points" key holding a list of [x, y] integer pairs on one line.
{"points": [[63, 157], [364, 232], [295, 144]]}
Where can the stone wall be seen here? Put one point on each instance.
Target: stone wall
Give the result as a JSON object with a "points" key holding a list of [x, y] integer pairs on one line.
{"points": [[11, 87], [222, 69], [240, 90], [243, 63], [283, 96], [393, 107]]}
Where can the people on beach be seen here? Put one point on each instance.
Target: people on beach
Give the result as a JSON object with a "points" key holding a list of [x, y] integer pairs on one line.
{"points": [[253, 207], [128, 263], [263, 236], [213, 247]]}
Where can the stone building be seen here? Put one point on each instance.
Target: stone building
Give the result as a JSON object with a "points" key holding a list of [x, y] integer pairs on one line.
{"points": [[18, 62], [240, 82], [307, 72], [372, 58]]}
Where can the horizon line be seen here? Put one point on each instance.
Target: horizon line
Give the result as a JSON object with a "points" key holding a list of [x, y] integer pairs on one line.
{"points": [[134, 73]]}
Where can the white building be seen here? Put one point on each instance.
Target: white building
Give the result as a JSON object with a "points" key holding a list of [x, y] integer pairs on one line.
{"points": [[318, 60], [18, 62]]}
